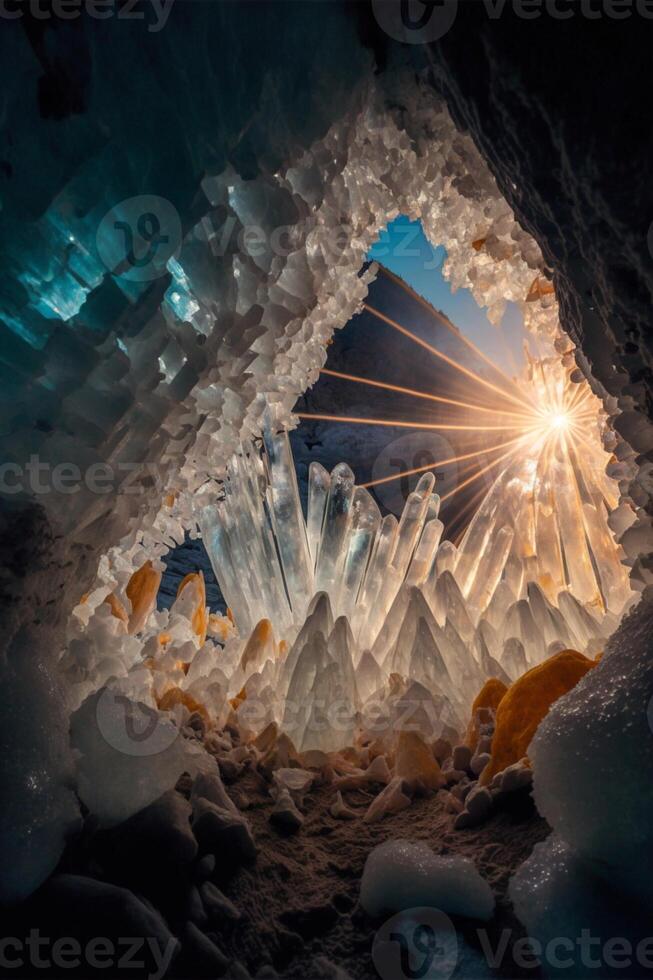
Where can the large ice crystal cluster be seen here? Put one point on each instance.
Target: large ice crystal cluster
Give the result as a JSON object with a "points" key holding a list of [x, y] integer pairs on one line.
{"points": [[368, 606]]}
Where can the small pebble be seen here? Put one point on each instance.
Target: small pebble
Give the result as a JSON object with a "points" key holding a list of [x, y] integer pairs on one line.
{"points": [[285, 814], [454, 775], [479, 762], [479, 802], [462, 756], [442, 749]]}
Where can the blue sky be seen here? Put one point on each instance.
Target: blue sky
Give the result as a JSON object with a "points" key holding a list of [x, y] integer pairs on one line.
{"points": [[404, 249]]}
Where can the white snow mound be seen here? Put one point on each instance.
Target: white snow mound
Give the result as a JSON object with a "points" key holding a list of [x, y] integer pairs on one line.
{"points": [[403, 874], [593, 759]]}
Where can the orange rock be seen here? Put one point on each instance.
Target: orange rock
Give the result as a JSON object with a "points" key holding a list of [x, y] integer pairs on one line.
{"points": [[282, 649], [200, 616], [484, 708], [415, 764], [175, 695], [220, 627], [84, 599], [141, 591], [541, 286], [238, 700], [259, 647], [478, 244], [164, 638], [117, 608], [230, 616], [525, 704]]}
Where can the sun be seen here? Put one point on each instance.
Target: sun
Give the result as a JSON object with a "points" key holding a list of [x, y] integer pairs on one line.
{"points": [[559, 421]]}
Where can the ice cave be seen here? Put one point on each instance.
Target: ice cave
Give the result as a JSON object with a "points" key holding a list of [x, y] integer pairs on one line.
{"points": [[326, 489]]}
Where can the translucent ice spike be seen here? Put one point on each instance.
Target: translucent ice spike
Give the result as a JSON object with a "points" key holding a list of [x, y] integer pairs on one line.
{"points": [[613, 576], [368, 596], [472, 547], [582, 580], [551, 574], [335, 530], [254, 555], [450, 605], [365, 522], [318, 490], [412, 522], [446, 557], [289, 521], [425, 553], [488, 571], [218, 548]]}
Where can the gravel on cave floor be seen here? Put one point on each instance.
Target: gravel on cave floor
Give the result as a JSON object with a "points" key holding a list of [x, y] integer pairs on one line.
{"points": [[300, 900]]}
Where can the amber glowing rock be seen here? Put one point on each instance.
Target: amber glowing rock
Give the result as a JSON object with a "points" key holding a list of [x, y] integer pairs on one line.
{"points": [[238, 700], [175, 696], [141, 591], [540, 287], [200, 615], [117, 608], [259, 648], [526, 703], [484, 708], [416, 765], [220, 627]]}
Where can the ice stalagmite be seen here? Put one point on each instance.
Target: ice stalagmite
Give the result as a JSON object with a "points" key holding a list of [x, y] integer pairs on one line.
{"points": [[319, 482], [335, 531]]}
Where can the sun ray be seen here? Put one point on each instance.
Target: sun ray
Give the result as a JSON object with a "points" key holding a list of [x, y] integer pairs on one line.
{"points": [[398, 423], [448, 360], [414, 393], [478, 475], [440, 462], [448, 325]]}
